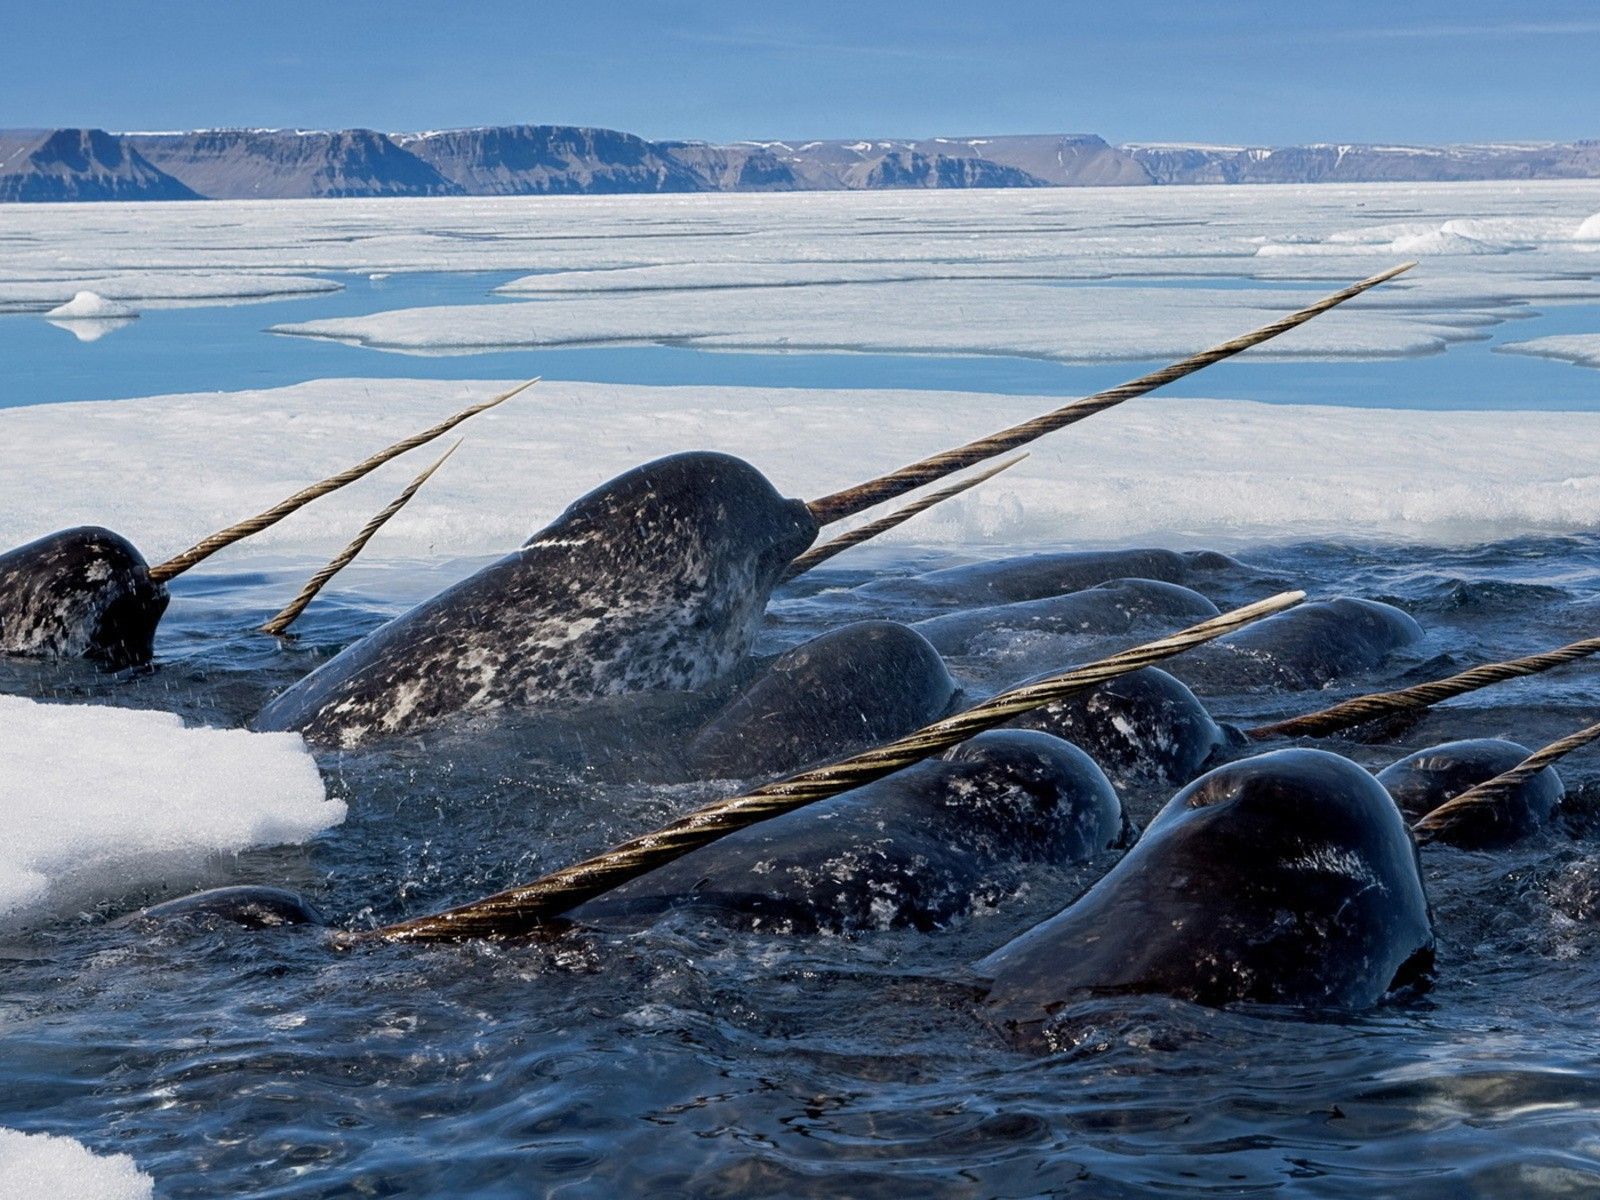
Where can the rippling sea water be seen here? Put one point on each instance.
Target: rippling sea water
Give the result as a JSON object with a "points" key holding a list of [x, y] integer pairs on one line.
{"points": [[686, 1059]]}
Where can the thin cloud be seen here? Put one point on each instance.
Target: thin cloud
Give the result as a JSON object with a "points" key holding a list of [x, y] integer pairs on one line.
{"points": [[1506, 29]]}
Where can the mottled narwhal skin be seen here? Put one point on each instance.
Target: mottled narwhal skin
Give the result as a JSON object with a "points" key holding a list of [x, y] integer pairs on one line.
{"points": [[80, 593], [853, 687], [1309, 646], [655, 581], [1421, 782], [914, 850], [1114, 607], [253, 906], [1289, 878], [1035, 576], [1142, 728]]}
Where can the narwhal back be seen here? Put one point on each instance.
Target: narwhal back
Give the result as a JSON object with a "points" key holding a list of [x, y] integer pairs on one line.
{"points": [[655, 581]]}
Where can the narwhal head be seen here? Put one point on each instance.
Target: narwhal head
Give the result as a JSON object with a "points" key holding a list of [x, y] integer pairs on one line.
{"points": [[697, 520], [89, 593], [80, 593]]}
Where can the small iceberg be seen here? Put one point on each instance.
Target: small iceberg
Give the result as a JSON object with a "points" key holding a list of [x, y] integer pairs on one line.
{"points": [[90, 306], [98, 802]]}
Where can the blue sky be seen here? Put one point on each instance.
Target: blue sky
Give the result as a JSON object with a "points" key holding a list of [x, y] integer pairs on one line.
{"points": [[1228, 70]]}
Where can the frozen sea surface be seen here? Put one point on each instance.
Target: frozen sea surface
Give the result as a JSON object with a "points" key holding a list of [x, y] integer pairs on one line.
{"points": [[1400, 459], [1011, 292]]}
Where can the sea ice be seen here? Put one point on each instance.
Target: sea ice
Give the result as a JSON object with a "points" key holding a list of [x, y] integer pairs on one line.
{"points": [[95, 801], [1581, 349], [31, 291], [1168, 471], [1078, 323], [90, 306], [1056, 233], [38, 1165]]}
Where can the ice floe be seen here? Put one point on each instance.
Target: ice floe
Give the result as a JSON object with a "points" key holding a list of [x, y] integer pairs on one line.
{"points": [[95, 801], [1066, 232], [1080, 323], [1581, 349], [90, 306], [33, 292], [1169, 471], [34, 1166], [1458, 236]]}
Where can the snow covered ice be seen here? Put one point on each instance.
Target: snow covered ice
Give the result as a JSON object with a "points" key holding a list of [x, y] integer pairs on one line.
{"points": [[36, 1166], [1080, 323], [37, 291], [1167, 471], [90, 306], [1580, 349], [97, 800]]}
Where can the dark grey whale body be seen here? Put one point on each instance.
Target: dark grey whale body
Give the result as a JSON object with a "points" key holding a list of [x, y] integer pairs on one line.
{"points": [[913, 850], [1289, 878], [253, 906], [79, 593], [1143, 728], [1113, 607], [1035, 576], [1309, 646], [847, 689], [1421, 782], [655, 581]]}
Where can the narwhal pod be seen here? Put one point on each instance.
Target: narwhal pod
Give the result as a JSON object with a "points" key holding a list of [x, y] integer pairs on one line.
{"points": [[655, 581], [1421, 782], [913, 850], [1145, 728], [1289, 878], [857, 686], [1114, 607], [79, 593], [1035, 576], [1308, 646]]}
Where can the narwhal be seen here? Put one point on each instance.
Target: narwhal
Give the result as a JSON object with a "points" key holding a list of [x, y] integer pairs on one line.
{"points": [[1289, 878], [1037, 799], [653, 582], [88, 592], [1148, 728]]}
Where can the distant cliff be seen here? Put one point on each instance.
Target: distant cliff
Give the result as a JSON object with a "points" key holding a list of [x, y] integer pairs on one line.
{"points": [[79, 164], [1366, 164], [520, 160], [244, 164], [516, 160]]}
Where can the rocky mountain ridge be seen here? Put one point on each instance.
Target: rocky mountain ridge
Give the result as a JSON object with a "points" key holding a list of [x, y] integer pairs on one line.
{"points": [[91, 164]]}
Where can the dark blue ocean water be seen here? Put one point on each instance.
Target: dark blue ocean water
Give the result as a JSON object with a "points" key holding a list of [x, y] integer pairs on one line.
{"points": [[688, 1060], [224, 348]]}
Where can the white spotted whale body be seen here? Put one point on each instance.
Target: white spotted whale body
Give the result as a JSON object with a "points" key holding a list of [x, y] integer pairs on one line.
{"points": [[655, 581]]}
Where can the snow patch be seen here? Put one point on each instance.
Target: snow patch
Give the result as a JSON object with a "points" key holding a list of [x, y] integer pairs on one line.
{"points": [[90, 306], [98, 800], [41, 1165]]}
